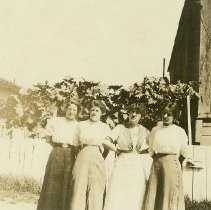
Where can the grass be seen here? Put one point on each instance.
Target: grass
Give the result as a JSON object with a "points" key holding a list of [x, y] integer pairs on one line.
{"points": [[15, 189], [197, 205], [19, 189]]}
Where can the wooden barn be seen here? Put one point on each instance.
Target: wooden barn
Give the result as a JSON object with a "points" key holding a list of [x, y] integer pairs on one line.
{"points": [[191, 61]]}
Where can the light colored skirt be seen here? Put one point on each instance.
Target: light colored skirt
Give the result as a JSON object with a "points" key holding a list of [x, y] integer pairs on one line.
{"points": [[55, 192], [128, 181], [89, 180], [165, 187]]}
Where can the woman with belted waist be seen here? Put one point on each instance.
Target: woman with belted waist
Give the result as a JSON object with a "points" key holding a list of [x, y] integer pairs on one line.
{"points": [[89, 173], [167, 142], [63, 133], [127, 185]]}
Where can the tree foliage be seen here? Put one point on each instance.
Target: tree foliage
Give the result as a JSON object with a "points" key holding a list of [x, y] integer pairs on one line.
{"points": [[32, 108]]}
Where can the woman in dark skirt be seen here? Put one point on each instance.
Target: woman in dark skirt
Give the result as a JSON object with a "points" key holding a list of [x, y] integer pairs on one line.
{"points": [[166, 143], [64, 133]]}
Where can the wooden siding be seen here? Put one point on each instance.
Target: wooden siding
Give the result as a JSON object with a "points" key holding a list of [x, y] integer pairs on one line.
{"points": [[205, 60], [203, 132]]}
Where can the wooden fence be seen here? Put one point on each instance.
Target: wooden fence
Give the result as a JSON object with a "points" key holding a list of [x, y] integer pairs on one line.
{"points": [[197, 181], [23, 156]]}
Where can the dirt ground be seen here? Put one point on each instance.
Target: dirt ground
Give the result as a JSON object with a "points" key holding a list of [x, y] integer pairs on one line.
{"points": [[17, 206]]}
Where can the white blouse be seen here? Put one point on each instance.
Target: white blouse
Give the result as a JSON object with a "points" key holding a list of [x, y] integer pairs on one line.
{"points": [[63, 130], [171, 139], [93, 133]]}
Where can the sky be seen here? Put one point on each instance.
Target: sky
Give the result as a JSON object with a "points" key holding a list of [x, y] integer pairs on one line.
{"points": [[112, 41]]}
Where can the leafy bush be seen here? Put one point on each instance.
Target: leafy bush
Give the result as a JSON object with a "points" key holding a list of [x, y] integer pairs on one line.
{"points": [[33, 107], [197, 205]]}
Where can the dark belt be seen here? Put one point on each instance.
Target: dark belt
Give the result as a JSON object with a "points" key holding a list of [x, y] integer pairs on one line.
{"points": [[145, 151], [159, 155], [63, 145]]}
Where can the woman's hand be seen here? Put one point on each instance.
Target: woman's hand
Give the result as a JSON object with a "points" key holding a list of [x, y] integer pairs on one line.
{"points": [[118, 151], [188, 162], [49, 140]]}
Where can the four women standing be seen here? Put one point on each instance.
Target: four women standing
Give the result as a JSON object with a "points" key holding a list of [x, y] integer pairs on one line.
{"points": [[127, 186]]}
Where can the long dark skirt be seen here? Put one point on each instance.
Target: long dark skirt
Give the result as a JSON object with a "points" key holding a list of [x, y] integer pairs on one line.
{"points": [[165, 186], [55, 192]]}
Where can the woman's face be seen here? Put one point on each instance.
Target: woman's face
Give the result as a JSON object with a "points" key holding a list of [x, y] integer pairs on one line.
{"points": [[95, 114], [134, 117], [167, 118], [71, 112]]}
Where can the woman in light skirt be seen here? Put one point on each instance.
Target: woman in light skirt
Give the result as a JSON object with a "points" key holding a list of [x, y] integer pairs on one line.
{"points": [[127, 185], [166, 143], [89, 173]]}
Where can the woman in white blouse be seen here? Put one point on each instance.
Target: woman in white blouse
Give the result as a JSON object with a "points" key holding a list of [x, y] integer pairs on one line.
{"points": [[89, 173], [166, 143], [127, 185], [63, 133]]}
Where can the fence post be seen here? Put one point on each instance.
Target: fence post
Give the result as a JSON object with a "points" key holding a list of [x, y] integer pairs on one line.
{"points": [[189, 122]]}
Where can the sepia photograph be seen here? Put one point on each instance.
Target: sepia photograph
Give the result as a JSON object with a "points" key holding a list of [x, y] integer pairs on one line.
{"points": [[105, 105]]}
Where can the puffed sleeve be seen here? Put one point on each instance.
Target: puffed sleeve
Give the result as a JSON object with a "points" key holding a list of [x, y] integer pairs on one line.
{"points": [[50, 127], [184, 143], [151, 137], [150, 141], [107, 129], [76, 141]]}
